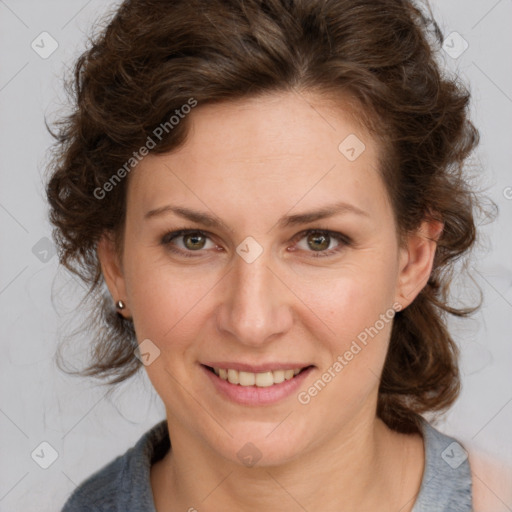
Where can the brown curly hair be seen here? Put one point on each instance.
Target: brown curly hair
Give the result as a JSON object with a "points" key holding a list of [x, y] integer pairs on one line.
{"points": [[154, 56]]}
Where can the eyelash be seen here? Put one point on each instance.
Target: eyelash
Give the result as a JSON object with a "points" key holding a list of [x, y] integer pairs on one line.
{"points": [[344, 241]]}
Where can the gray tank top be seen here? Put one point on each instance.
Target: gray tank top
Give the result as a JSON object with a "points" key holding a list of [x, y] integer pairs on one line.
{"points": [[446, 484], [124, 485]]}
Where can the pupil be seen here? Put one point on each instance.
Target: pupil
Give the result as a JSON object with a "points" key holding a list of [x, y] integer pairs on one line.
{"points": [[194, 238], [324, 241]]}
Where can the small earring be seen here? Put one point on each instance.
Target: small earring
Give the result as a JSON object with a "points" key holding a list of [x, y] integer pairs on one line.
{"points": [[120, 304]]}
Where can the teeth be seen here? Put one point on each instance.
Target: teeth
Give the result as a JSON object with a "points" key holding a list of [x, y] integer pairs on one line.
{"points": [[246, 378], [262, 380], [233, 377], [278, 376]]}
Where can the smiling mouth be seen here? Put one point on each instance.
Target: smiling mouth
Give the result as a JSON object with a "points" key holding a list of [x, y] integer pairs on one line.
{"points": [[262, 379]]}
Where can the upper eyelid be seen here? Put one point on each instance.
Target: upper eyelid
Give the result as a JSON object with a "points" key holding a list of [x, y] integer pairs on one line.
{"points": [[330, 232]]}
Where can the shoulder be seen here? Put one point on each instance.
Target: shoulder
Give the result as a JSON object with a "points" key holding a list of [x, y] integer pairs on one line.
{"points": [[492, 483], [487, 481], [446, 480], [100, 491], [123, 484]]}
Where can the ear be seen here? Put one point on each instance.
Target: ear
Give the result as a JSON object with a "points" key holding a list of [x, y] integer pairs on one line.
{"points": [[111, 268], [416, 261]]}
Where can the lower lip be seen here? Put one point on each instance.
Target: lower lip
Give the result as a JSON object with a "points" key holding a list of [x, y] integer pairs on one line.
{"points": [[254, 395]]}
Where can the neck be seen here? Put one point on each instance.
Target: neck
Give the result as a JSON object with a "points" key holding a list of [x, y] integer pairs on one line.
{"points": [[366, 466]]}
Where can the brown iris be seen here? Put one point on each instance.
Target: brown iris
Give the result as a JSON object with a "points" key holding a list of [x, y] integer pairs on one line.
{"points": [[320, 241], [194, 241]]}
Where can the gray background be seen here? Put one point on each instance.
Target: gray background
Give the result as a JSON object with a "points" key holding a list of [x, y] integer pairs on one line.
{"points": [[37, 298]]}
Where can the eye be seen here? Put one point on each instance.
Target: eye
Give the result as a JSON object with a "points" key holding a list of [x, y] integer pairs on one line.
{"points": [[190, 241], [319, 242]]}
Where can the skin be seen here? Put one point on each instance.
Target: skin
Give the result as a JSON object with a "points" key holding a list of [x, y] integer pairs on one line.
{"points": [[249, 162]]}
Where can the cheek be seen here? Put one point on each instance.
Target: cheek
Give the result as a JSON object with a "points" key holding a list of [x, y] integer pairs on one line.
{"points": [[354, 297], [357, 307], [360, 329], [354, 351], [168, 308], [165, 301]]}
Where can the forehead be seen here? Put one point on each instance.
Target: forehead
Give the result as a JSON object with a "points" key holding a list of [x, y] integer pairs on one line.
{"points": [[286, 122], [278, 149]]}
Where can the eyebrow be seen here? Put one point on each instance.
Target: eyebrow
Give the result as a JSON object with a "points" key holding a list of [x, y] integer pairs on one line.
{"points": [[213, 221]]}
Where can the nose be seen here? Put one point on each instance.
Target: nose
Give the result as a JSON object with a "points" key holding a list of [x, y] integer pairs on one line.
{"points": [[255, 307]]}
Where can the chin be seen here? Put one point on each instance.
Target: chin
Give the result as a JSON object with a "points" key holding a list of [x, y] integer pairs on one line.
{"points": [[262, 444]]}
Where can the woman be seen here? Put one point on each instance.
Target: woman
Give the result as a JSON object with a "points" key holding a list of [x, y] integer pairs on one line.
{"points": [[273, 193]]}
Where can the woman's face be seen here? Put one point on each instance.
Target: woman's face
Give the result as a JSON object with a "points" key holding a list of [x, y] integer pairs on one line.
{"points": [[258, 286]]}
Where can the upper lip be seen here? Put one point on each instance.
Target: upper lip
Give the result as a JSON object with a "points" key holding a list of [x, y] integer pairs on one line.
{"points": [[255, 368]]}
